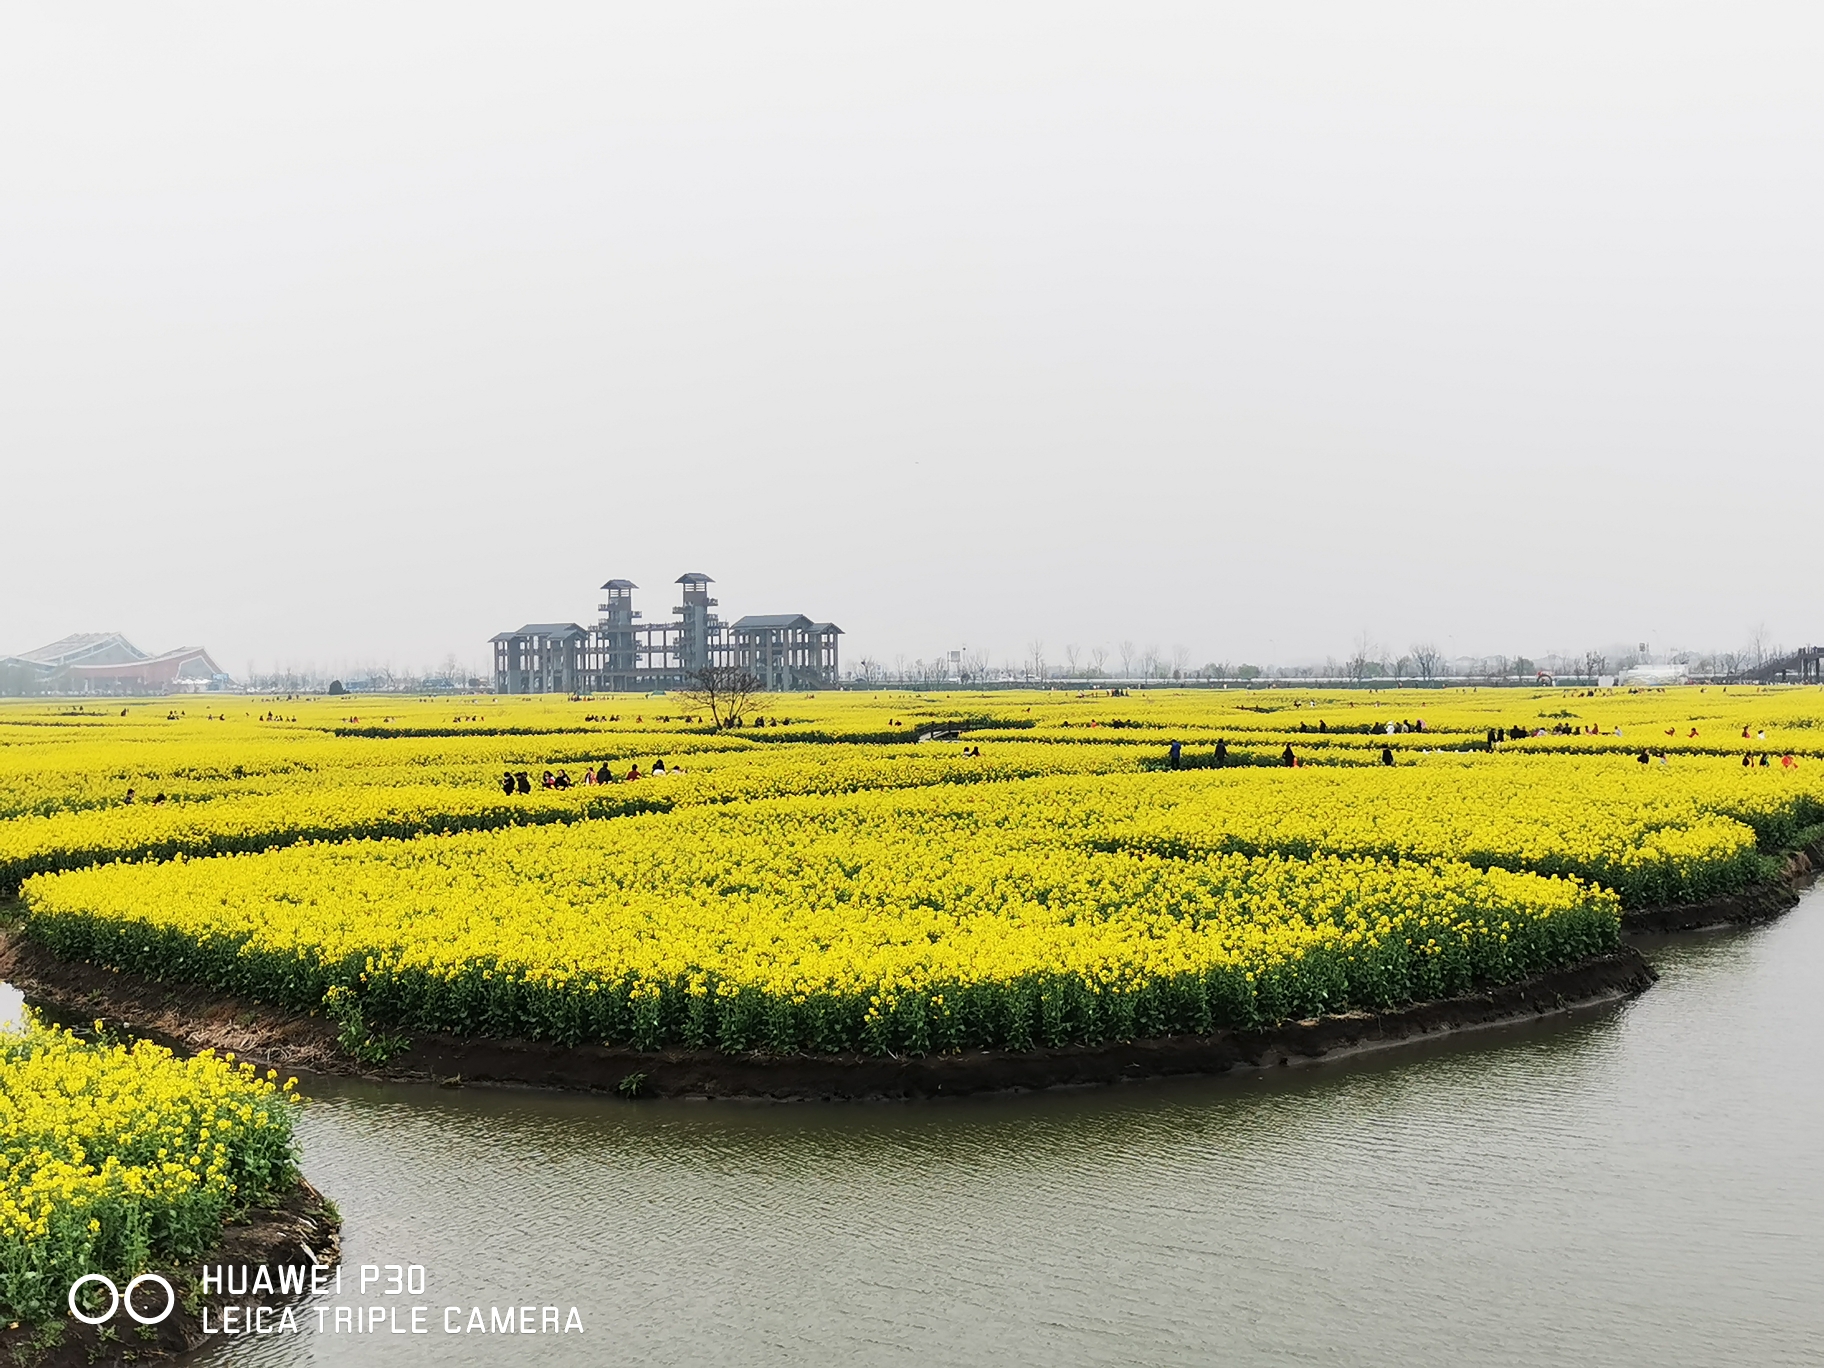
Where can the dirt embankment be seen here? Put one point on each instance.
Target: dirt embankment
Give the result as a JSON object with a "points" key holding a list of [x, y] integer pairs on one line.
{"points": [[302, 1231], [193, 1018], [1761, 903]]}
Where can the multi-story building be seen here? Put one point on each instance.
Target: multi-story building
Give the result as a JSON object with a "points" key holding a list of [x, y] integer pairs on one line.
{"points": [[623, 654]]}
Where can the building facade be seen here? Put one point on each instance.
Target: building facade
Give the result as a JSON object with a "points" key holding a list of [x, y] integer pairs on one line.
{"points": [[622, 653], [107, 663]]}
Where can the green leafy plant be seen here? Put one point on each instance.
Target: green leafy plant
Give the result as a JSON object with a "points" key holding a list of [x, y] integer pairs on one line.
{"points": [[352, 1034]]}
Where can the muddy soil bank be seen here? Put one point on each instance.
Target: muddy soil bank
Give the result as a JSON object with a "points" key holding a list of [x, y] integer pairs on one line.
{"points": [[192, 1018], [1761, 903]]}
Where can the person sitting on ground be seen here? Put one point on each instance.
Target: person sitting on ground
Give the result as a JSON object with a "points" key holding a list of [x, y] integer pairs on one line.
{"points": [[604, 775], [633, 773], [549, 780], [522, 782], [129, 795], [1747, 759], [658, 769], [588, 776], [1289, 760], [506, 783], [562, 780], [1645, 759], [158, 798], [1386, 755]]}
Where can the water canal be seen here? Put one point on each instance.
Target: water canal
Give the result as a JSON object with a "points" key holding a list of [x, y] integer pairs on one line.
{"points": [[1638, 1186]]}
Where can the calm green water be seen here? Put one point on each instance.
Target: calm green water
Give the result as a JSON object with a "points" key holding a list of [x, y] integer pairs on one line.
{"points": [[1640, 1186]]}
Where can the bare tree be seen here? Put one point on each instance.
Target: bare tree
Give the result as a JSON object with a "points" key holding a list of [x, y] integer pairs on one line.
{"points": [[1181, 661], [1426, 659], [1035, 657], [1097, 654], [1125, 649], [1762, 649], [1363, 659], [1071, 654], [726, 692], [1152, 662]]}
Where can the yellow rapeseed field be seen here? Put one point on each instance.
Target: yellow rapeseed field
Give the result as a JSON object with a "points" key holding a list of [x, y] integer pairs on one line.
{"points": [[116, 1156], [822, 879]]}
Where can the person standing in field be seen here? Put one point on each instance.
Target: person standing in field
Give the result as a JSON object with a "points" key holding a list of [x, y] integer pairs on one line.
{"points": [[1222, 753], [1289, 760], [506, 783], [1177, 754], [1386, 755]]}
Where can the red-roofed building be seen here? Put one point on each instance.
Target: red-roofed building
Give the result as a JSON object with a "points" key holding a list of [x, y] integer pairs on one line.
{"points": [[106, 662]]}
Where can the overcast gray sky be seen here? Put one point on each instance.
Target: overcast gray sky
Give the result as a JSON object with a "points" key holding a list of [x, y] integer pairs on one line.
{"points": [[361, 332]]}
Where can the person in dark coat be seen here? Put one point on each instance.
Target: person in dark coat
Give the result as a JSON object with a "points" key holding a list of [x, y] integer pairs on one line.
{"points": [[522, 782], [1177, 754], [1386, 755], [1289, 760], [1222, 754], [506, 783]]}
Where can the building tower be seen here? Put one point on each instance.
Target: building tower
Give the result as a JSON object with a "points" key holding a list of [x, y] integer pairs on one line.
{"points": [[619, 659], [697, 625]]}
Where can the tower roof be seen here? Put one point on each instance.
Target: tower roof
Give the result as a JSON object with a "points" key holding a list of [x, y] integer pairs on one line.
{"points": [[693, 577], [620, 584]]}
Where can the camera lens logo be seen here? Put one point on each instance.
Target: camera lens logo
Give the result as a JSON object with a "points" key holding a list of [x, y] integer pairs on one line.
{"points": [[116, 1297]]}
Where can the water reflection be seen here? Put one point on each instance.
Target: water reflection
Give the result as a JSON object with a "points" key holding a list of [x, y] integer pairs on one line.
{"points": [[1637, 1186]]}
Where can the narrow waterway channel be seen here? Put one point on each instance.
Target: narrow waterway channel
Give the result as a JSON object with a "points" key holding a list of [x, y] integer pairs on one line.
{"points": [[1638, 1186]]}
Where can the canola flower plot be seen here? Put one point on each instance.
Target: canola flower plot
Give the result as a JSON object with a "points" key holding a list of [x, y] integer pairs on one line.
{"points": [[814, 880], [879, 924], [1655, 835], [349, 801], [115, 1158]]}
